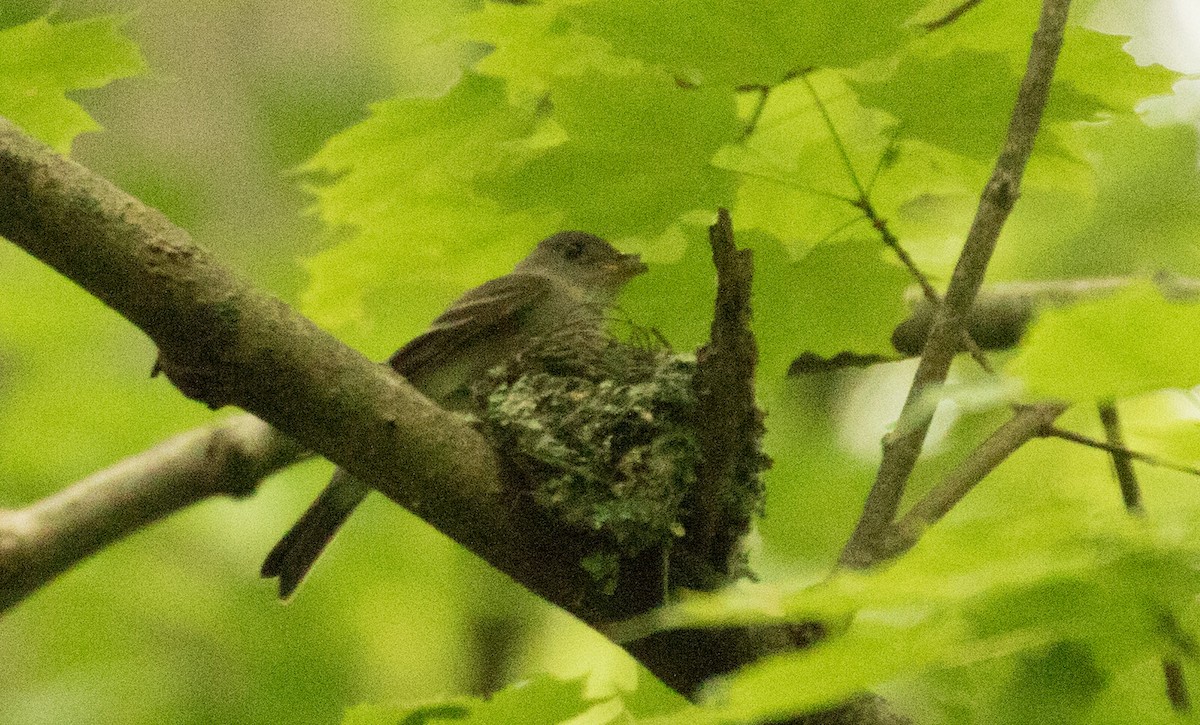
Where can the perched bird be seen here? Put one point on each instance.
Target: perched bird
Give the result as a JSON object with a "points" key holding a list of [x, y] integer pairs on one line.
{"points": [[561, 290]]}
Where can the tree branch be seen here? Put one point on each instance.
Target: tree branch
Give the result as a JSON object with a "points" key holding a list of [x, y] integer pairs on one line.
{"points": [[1131, 494], [1028, 422], [954, 14], [44, 539], [223, 342], [1120, 450], [901, 450], [1002, 312], [730, 424]]}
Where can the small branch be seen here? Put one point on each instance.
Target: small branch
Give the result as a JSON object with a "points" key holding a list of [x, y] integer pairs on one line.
{"points": [[1028, 422], [951, 16], [901, 450], [1177, 689], [729, 421], [1121, 450], [1131, 494], [930, 294], [41, 541], [764, 93]]}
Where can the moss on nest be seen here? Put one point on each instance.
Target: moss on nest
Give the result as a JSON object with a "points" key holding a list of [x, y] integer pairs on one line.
{"points": [[607, 443], [614, 457]]}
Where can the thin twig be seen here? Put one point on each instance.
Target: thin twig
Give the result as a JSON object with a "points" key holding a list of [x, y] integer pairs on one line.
{"points": [[1177, 689], [1073, 437], [927, 289], [764, 92], [951, 16], [878, 170], [1131, 493], [1028, 422], [902, 448]]}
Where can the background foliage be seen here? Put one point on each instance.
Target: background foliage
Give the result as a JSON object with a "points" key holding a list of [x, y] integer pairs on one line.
{"points": [[1038, 599]]}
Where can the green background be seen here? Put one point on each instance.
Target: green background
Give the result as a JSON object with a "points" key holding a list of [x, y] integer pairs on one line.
{"points": [[1035, 592]]}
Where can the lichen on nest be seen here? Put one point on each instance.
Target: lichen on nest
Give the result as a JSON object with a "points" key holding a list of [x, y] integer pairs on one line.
{"points": [[614, 456]]}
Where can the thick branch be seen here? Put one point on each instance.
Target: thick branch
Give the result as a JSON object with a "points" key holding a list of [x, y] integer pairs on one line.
{"points": [[224, 342], [901, 449], [730, 424], [1002, 312], [48, 537]]}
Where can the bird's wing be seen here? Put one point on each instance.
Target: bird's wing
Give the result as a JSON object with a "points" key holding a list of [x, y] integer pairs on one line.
{"points": [[492, 308]]}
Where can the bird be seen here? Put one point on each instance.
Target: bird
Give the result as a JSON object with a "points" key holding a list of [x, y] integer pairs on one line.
{"points": [[561, 290]]}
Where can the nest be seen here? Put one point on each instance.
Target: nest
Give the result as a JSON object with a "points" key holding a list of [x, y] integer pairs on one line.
{"points": [[606, 441]]}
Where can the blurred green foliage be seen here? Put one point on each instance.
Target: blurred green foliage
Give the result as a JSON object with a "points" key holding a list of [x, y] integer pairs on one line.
{"points": [[43, 61], [1036, 600]]}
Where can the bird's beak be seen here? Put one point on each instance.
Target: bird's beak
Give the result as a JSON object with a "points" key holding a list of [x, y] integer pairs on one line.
{"points": [[630, 265]]}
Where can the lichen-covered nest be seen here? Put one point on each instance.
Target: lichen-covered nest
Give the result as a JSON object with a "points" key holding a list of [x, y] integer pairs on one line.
{"points": [[615, 456]]}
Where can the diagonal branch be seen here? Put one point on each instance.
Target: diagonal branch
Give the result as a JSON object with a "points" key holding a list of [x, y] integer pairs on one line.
{"points": [[222, 341], [46, 538], [954, 14], [901, 449], [1027, 422]]}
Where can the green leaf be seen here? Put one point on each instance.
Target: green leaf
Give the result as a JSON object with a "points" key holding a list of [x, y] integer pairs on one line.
{"points": [[1151, 229], [41, 62], [636, 156], [1004, 26], [415, 233], [973, 68], [735, 42], [1132, 342], [542, 701], [975, 593], [795, 181], [676, 296], [975, 92], [840, 297], [1097, 65], [533, 44]]}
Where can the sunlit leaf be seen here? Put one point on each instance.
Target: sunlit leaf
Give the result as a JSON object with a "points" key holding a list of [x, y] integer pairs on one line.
{"points": [[1130, 343], [542, 701], [41, 61], [736, 42]]}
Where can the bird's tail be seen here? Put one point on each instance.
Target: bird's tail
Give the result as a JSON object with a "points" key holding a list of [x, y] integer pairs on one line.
{"points": [[299, 548]]}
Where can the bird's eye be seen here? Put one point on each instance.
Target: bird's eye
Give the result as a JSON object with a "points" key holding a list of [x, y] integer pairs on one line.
{"points": [[573, 251]]}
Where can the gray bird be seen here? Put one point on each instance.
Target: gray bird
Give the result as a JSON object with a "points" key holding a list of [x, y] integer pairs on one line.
{"points": [[561, 290]]}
